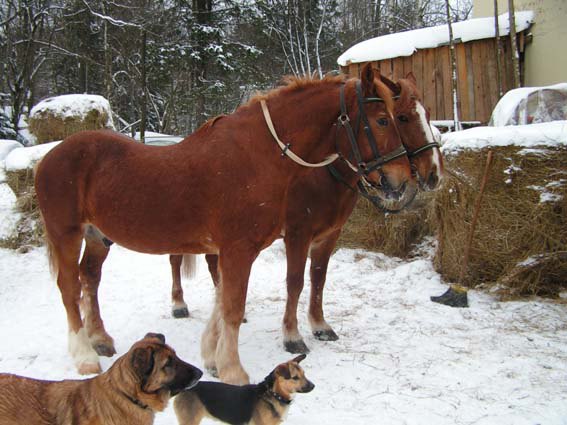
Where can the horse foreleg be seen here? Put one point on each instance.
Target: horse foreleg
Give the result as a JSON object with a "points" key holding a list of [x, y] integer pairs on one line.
{"points": [[66, 254], [234, 267], [320, 255], [297, 247], [210, 338], [179, 307], [90, 273]]}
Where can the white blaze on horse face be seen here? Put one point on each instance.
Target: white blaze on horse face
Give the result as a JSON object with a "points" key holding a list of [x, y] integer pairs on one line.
{"points": [[428, 136]]}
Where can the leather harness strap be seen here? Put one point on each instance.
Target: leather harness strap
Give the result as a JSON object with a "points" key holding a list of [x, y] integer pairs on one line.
{"points": [[286, 147]]}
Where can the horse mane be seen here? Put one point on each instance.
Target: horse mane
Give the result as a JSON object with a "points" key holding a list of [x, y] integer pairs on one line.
{"points": [[291, 83]]}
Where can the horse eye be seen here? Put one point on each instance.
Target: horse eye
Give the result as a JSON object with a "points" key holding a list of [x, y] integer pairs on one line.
{"points": [[383, 122], [403, 118]]}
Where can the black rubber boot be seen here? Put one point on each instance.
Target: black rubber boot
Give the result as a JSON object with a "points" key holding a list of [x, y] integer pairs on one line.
{"points": [[455, 296]]}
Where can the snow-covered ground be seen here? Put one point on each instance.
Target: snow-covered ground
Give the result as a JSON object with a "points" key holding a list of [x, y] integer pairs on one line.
{"points": [[401, 359]]}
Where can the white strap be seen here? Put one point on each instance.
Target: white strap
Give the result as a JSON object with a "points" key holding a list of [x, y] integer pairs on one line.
{"points": [[285, 149]]}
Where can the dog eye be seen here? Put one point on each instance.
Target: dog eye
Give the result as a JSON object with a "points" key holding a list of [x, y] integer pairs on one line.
{"points": [[295, 378], [168, 363], [382, 122], [403, 118]]}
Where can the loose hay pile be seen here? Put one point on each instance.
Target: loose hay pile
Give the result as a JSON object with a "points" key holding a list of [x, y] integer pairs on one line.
{"points": [[520, 243], [58, 117], [29, 230], [392, 234]]}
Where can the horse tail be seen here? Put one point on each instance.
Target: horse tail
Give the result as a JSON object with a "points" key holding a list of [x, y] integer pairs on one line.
{"points": [[189, 265], [51, 255]]}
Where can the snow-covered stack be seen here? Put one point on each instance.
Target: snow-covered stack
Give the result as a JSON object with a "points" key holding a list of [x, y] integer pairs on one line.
{"points": [[57, 117], [520, 242]]}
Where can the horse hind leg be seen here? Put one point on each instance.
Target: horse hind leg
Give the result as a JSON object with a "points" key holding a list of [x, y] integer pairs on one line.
{"points": [[96, 251], [179, 308], [64, 255]]}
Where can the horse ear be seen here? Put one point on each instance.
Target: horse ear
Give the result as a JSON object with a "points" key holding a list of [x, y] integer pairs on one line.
{"points": [[395, 87], [367, 76], [411, 77]]}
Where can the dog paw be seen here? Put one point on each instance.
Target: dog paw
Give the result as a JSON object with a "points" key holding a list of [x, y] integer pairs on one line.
{"points": [[326, 335], [296, 347]]}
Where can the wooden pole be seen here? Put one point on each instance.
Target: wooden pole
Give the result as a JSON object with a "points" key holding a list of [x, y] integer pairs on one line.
{"points": [[498, 51], [456, 117], [475, 218]]}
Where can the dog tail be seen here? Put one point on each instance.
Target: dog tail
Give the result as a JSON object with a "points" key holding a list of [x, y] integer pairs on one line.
{"points": [[189, 266]]}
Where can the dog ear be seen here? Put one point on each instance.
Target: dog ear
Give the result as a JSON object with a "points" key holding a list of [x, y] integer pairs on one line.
{"points": [[159, 337], [142, 361], [299, 358], [283, 371]]}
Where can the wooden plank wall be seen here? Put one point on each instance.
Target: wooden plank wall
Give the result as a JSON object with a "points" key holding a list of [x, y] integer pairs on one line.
{"points": [[476, 74]]}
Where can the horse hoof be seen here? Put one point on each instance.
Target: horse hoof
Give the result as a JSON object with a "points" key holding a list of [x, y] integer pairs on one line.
{"points": [[326, 335], [106, 350], [89, 368], [296, 347], [180, 313]]}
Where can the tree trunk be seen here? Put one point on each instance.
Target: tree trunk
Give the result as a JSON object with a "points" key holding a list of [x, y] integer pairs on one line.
{"points": [[453, 70], [514, 45], [143, 100]]}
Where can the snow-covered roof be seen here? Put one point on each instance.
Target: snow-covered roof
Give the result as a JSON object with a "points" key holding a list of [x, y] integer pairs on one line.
{"points": [[406, 43], [527, 136]]}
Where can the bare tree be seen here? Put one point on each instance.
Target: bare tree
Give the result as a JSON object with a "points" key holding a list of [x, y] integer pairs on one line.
{"points": [[453, 69], [514, 45], [498, 50]]}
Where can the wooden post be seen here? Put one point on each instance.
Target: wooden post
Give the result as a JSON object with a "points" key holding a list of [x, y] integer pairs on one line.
{"points": [[498, 51]]}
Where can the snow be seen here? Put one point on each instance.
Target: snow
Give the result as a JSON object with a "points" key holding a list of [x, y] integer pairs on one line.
{"points": [[74, 105], [526, 136], [7, 146], [406, 43], [400, 359], [22, 158], [503, 113]]}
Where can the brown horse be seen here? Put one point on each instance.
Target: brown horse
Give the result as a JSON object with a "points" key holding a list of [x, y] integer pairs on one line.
{"points": [[173, 199], [330, 200]]}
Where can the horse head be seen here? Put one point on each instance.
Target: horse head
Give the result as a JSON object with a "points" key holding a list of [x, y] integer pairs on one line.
{"points": [[412, 120], [372, 146]]}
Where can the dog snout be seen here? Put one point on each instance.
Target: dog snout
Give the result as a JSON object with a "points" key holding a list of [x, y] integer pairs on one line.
{"points": [[308, 387], [186, 377]]}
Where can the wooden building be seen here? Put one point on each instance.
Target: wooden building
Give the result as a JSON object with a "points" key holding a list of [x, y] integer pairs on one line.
{"points": [[425, 52]]}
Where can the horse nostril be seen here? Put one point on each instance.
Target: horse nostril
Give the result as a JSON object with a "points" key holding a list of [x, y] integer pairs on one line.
{"points": [[432, 180]]}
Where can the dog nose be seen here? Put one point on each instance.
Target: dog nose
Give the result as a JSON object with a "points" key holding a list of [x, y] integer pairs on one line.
{"points": [[308, 387]]}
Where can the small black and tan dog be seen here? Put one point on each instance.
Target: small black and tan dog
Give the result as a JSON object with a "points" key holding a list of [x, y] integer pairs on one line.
{"points": [[265, 403]]}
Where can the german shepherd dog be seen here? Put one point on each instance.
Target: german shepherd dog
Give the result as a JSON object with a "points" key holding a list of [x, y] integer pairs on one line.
{"points": [[136, 386], [265, 403]]}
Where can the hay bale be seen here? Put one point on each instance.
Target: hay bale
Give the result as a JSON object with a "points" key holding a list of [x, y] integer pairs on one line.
{"points": [[523, 216], [392, 234], [58, 117]]}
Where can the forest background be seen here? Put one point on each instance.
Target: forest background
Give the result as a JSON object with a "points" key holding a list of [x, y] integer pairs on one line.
{"points": [[172, 64]]}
